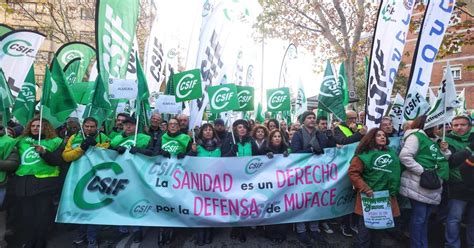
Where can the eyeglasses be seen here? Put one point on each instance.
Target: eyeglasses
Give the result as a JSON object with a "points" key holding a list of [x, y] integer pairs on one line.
{"points": [[172, 124]]}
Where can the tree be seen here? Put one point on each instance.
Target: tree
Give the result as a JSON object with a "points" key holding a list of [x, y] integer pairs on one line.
{"points": [[332, 29]]}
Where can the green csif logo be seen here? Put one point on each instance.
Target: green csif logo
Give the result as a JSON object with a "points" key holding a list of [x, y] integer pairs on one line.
{"points": [[253, 166], [221, 98], [70, 55], [383, 160], [18, 48], [91, 183], [188, 86], [276, 99]]}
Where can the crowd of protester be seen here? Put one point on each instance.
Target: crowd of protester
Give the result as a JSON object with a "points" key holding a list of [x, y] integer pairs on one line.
{"points": [[427, 177]]}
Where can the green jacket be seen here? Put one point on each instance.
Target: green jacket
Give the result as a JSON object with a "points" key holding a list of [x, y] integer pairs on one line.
{"points": [[8, 161], [32, 163], [119, 140], [457, 143]]}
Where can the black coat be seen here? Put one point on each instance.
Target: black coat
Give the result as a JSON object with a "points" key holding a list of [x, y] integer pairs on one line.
{"points": [[297, 145]]}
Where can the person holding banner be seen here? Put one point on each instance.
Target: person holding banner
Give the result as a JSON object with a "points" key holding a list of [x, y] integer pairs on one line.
{"points": [[207, 145], [121, 117], [426, 167], [309, 140], [374, 167], [37, 179], [242, 145], [76, 146], [460, 196], [276, 145], [9, 161], [260, 137]]}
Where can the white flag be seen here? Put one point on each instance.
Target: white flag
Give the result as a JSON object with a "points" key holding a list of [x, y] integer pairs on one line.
{"points": [[396, 113], [132, 61], [18, 50], [435, 23], [387, 50], [301, 104], [447, 101], [432, 97], [462, 110]]}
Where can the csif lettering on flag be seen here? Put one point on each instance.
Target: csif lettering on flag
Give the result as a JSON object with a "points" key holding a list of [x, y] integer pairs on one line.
{"points": [[222, 27], [18, 49], [245, 95], [444, 109], [116, 22], [24, 106], [188, 85], [387, 48], [435, 22], [223, 98], [278, 99], [396, 113]]}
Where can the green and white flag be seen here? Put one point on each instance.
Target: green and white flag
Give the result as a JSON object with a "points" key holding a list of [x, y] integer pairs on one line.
{"points": [[443, 111], [223, 98], [24, 107], [433, 97], [188, 85], [142, 103], [396, 113], [71, 70], [75, 51], [245, 95], [4, 29], [100, 106], [56, 93], [342, 79], [462, 110], [301, 103], [331, 95], [260, 115], [116, 23], [278, 99], [7, 99]]}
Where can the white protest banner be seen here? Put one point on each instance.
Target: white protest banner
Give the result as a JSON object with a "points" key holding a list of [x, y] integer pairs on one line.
{"points": [[435, 23], [123, 89], [167, 105], [387, 50], [18, 50], [377, 210]]}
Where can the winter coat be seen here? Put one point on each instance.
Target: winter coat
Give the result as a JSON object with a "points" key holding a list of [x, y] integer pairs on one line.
{"points": [[410, 180], [342, 139], [10, 164], [297, 143]]}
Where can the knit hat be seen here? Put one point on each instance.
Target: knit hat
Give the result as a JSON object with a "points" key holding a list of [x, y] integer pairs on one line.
{"points": [[306, 114], [219, 122], [241, 121]]}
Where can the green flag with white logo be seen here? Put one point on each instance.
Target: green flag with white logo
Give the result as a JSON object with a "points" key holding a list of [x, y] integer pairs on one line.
{"points": [[342, 79], [278, 99], [70, 71], [24, 107], [260, 115], [142, 103], [81, 53], [7, 99], [56, 93], [188, 85], [223, 98], [331, 96], [245, 95], [116, 22], [100, 106]]}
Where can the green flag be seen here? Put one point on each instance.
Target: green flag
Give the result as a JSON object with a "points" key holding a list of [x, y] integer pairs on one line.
{"points": [[342, 78], [4, 29], [330, 95], [70, 71], [56, 93], [82, 92], [116, 23], [24, 107], [100, 106], [278, 99], [77, 51], [260, 115], [142, 102], [188, 85], [7, 99], [245, 95], [366, 67], [223, 98]]}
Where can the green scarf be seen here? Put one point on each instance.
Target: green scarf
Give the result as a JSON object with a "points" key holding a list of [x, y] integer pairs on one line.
{"points": [[202, 152], [7, 144], [381, 170], [458, 142]]}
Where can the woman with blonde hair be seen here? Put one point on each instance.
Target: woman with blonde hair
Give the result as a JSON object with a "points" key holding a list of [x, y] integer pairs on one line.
{"points": [[36, 180]]}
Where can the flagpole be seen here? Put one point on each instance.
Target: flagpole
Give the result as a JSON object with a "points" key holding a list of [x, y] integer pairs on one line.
{"points": [[233, 136], [80, 125], [137, 124], [41, 124]]}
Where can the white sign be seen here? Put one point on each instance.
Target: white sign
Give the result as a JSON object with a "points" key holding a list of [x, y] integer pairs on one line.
{"points": [[377, 210], [123, 89], [168, 105]]}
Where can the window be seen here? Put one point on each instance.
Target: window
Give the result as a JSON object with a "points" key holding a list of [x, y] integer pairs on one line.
{"points": [[23, 9], [87, 14], [455, 19], [455, 70], [454, 47], [87, 36]]}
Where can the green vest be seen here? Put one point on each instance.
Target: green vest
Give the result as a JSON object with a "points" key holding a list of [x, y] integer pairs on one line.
{"points": [[7, 144], [430, 157], [78, 139], [31, 162], [381, 170], [175, 145], [201, 152], [458, 143], [113, 134], [127, 142], [244, 149]]}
